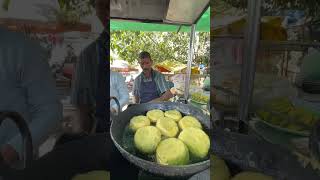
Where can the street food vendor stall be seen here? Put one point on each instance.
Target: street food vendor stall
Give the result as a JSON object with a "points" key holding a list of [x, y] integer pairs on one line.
{"points": [[176, 73], [197, 18], [258, 99], [172, 22], [96, 144]]}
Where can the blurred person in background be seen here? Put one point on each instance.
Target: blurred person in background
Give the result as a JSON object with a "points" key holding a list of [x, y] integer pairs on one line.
{"points": [[119, 90], [89, 91], [28, 88], [91, 97]]}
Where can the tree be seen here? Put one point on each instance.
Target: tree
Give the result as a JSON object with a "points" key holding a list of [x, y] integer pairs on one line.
{"points": [[5, 5], [161, 45], [70, 11], [202, 48]]}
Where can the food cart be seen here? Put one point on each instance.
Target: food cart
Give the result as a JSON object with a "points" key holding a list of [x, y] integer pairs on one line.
{"points": [[162, 16], [239, 113], [130, 17]]}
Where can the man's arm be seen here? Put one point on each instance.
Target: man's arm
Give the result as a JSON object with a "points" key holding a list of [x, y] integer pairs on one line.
{"points": [[136, 99], [123, 91], [164, 88], [136, 90], [41, 96], [164, 97]]}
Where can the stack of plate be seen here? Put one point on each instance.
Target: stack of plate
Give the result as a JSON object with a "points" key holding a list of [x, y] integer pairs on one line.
{"points": [[311, 86]]}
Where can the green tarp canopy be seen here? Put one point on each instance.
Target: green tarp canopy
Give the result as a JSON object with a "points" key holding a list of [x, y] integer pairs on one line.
{"points": [[203, 25]]}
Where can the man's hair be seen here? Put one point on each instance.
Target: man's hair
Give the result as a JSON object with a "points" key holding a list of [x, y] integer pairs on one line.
{"points": [[144, 54]]}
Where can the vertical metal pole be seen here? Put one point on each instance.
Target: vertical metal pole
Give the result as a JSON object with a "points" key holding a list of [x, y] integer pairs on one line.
{"points": [[190, 58], [252, 38]]}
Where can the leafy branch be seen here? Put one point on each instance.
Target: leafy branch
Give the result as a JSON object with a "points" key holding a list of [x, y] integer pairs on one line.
{"points": [[71, 11], [5, 5], [161, 45]]}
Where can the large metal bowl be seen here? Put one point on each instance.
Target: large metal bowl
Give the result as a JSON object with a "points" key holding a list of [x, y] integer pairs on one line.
{"points": [[120, 122]]}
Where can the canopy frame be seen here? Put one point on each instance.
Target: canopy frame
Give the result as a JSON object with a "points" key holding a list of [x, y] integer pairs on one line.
{"points": [[191, 43], [249, 66], [190, 56]]}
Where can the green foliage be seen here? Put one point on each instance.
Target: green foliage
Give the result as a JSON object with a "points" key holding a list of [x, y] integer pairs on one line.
{"points": [[68, 8], [5, 5], [161, 45], [71, 11], [83, 7], [202, 50]]}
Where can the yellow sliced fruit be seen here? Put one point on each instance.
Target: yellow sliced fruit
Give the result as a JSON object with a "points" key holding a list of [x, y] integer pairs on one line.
{"points": [[189, 121], [173, 114], [155, 114], [167, 126]]}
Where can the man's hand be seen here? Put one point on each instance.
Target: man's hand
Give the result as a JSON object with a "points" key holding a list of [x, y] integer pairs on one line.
{"points": [[157, 100], [9, 154], [166, 96]]}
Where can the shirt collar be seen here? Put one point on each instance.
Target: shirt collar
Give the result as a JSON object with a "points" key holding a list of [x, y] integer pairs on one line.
{"points": [[153, 74]]}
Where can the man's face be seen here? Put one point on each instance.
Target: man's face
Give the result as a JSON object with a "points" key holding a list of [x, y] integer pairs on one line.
{"points": [[146, 64], [102, 11]]}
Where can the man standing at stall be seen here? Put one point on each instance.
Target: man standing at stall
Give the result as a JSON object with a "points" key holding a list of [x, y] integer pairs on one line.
{"points": [[28, 88], [91, 95], [150, 85]]}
